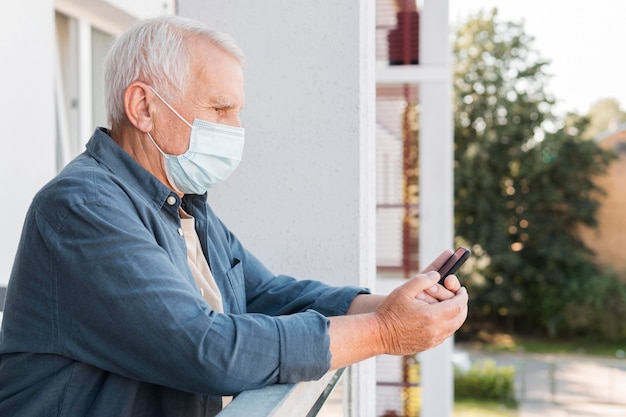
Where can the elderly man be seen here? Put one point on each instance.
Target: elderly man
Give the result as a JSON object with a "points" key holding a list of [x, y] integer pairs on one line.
{"points": [[129, 297]]}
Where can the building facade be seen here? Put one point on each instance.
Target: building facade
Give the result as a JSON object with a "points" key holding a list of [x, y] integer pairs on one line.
{"points": [[608, 239]]}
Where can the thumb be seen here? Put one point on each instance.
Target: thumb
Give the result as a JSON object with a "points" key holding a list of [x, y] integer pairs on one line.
{"points": [[421, 282]]}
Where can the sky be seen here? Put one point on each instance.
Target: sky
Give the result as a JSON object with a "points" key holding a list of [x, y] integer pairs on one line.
{"points": [[584, 40]]}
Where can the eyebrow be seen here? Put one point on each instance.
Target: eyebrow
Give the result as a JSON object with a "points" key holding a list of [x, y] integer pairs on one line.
{"points": [[223, 102]]}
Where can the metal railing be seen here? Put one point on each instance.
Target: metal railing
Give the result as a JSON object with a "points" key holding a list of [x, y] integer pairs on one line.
{"points": [[3, 292], [304, 399]]}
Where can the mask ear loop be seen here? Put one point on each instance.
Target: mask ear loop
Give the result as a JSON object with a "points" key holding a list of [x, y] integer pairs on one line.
{"points": [[170, 107], [166, 156]]}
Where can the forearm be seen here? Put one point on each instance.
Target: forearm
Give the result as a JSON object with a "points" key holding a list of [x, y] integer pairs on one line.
{"points": [[365, 303], [354, 338]]}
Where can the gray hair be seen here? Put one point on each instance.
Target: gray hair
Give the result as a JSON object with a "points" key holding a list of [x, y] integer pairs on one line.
{"points": [[156, 51]]}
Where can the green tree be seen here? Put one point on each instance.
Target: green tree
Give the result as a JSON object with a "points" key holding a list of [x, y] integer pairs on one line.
{"points": [[521, 190]]}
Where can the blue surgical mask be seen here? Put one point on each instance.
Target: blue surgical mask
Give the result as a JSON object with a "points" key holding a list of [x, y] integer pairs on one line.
{"points": [[214, 152]]}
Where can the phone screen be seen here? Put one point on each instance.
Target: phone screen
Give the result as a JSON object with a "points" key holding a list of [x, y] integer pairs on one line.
{"points": [[453, 263]]}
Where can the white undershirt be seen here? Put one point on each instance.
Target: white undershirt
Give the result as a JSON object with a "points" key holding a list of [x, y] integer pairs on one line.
{"points": [[199, 265]]}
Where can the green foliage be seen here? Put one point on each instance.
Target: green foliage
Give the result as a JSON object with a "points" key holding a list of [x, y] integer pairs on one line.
{"points": [[485, 381], [522, 187], [600, 312]]}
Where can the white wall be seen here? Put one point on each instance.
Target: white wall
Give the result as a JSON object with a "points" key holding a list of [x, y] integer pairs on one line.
{"points": [[26, 114], [303, 197]]}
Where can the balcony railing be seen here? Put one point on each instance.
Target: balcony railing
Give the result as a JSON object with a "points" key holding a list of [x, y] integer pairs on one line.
{"points": [[284, 400], [3, 291]]}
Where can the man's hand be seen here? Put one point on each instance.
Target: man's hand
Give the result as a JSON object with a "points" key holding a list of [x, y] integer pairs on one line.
{"points": [[451, 283], [411, 319], [410, 324], [367, 303]]}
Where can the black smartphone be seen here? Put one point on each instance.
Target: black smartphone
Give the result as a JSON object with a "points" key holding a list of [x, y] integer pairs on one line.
{"points": [[453, 263]]}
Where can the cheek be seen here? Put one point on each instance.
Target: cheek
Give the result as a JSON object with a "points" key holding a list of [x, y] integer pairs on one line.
{"points": [[229, 119], [175, 139], [180, 141]]}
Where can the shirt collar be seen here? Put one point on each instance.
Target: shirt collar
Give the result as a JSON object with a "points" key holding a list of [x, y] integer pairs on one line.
{"points": [[108, 153]]}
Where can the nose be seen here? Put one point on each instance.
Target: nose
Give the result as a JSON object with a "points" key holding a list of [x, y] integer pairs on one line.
{"points": [[236, 121]]}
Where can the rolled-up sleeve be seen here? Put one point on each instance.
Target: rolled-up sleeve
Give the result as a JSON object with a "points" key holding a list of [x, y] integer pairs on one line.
{"points": [[304, 347]]}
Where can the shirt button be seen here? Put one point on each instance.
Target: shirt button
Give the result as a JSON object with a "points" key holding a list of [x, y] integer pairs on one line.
{"points": [[171, 200], [180, 231], [201, 292]]}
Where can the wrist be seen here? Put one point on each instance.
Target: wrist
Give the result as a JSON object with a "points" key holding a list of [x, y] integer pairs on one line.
{"points": [[365, 303], [389, 337]]}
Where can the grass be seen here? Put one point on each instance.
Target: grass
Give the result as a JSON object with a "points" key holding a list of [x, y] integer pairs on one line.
{"points": [[502, 342], [577, 346], [475, 408]]}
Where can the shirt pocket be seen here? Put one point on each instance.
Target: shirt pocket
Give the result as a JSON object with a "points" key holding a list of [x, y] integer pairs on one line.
{"points": [[237, 286]]}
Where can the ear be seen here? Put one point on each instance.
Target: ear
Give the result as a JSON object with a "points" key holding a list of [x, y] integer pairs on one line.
{"points": [[138, 105]]}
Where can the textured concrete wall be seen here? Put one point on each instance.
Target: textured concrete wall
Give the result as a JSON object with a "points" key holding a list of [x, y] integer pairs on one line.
{"points": [[302, 199]]}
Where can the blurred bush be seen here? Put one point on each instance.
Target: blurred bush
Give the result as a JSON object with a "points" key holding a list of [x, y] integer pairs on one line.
{"points": [[485, 381], [600, 309]]}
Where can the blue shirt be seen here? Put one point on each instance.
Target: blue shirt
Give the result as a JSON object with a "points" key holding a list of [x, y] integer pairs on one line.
{"points": [[103, 316]]}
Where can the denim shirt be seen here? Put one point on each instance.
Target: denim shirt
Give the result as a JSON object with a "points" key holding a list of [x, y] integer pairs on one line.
{"points": [[103, 316]]}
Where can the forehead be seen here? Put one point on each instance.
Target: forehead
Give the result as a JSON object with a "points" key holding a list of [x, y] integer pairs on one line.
{"points": [[215, 75]]}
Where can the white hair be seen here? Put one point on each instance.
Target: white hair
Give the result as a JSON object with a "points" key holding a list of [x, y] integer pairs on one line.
{"points": [[156, 51]]}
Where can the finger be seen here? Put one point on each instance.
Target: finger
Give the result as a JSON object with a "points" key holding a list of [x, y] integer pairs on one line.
{"points": [[453, 308], [420, 283], [452, 283], [427, 298], [439, 261], [461, 299], [440, 292]]}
